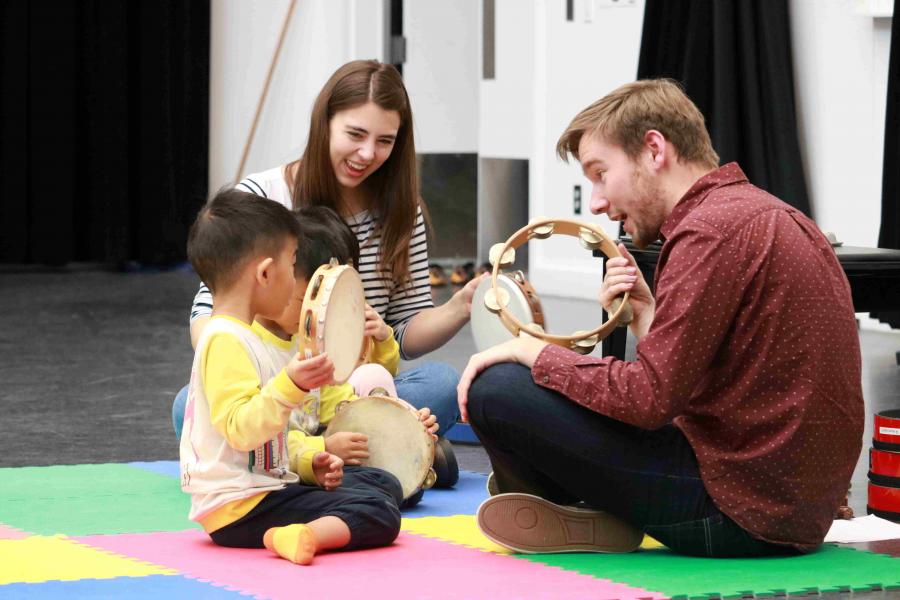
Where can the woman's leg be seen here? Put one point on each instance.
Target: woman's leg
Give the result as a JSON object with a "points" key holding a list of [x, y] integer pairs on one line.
{"points": [[178, 411], [431, 384]]}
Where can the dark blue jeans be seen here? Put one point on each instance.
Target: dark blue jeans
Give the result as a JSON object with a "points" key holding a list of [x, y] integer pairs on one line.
{"points": [[366, 501], [542, 443]]}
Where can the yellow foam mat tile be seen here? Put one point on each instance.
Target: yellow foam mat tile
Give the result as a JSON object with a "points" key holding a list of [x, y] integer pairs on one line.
{"points": [[463, 530], [47, 558], [458, 529]]}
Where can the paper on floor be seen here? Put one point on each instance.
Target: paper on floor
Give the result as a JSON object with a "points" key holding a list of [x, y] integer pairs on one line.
{"points": [[862, 529]]}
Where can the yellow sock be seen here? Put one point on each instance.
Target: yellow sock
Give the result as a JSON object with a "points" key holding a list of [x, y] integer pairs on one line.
{"points": [[297, 543]]}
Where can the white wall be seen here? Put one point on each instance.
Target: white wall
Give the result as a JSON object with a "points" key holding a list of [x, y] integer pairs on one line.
{"points": [[506, 102], [575, 63], [840, 70], [442, 70], [322, 35]]}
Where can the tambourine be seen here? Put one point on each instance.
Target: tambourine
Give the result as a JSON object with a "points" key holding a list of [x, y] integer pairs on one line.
{"points": [[333, 318], [497, 299], [398, 441], [524, 304]]}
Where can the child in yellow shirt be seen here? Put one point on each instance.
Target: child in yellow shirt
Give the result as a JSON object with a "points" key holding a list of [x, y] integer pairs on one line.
{"points": [[237, 460], [325, 236]]}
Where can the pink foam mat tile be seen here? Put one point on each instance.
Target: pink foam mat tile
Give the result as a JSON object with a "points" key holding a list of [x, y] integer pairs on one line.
{"points": [[11, 533], [421, 567]]}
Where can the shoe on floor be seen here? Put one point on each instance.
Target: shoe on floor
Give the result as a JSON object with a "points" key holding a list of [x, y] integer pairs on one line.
{"points": [[530, 524], [445, 466], [436, 276]]}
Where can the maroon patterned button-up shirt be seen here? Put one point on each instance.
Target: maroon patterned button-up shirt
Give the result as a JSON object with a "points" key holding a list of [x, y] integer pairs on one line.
{"points": [[753, 353]]}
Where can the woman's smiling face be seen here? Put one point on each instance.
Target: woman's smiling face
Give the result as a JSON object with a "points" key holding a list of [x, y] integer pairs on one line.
{"points": [[362, 138]]}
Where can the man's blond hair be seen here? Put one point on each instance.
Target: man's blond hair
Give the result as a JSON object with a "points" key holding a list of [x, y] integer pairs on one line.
{"points": [[623, 116]]}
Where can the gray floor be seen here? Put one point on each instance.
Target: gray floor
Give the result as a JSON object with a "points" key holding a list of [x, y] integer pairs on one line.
{"points": [[90, 361]]}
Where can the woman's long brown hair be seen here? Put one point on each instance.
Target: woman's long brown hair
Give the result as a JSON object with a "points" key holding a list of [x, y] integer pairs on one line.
{"points": [[394, 186]]}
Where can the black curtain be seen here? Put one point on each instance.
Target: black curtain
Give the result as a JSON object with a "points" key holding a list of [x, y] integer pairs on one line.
{"points": [[733, 58], [103, 129], [889, 235]]}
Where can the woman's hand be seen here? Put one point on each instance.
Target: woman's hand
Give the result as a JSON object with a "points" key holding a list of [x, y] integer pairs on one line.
{"points": [[523, 350], [376, 328], [623, 275], [431, 328], [463, 297]]}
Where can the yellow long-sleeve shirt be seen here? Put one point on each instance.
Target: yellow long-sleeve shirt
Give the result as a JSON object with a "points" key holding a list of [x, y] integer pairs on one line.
{"points": [[235, 447], [385, 353]]}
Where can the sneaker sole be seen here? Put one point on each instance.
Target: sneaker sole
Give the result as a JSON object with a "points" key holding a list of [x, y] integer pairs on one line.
{"points": [[530, 524]]}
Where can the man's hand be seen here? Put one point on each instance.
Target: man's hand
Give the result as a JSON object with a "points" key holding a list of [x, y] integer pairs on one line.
{"points": [[310, 373], [623, 275], [328, 469], [376, 328], [428, 420], [523, 350], [352, 448]]}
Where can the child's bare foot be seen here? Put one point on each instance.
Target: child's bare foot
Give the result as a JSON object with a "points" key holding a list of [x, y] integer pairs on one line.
{"points": [[297, 543]]}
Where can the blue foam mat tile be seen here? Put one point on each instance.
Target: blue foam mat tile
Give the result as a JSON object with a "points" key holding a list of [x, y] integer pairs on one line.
{"points": [[461, 499], [161, 467], [152, 587], [462, 433]]}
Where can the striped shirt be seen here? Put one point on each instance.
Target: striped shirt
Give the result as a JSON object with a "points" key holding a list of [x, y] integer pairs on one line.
{"points": [[396, 306]]}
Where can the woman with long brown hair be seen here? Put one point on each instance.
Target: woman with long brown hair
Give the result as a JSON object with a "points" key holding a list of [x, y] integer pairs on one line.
{"points": [[360, 160]]}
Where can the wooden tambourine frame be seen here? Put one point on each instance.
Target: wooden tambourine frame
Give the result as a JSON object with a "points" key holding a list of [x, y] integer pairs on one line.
{"points": [[591, 237], [314, 315]]}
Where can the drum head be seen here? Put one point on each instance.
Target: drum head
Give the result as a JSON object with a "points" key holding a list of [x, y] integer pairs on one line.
{"points": [[487, 328], [345, 324], [398, 442]]}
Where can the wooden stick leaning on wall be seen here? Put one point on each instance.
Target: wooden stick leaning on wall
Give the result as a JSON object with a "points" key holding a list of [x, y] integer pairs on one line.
{"points": [[265, 90]]}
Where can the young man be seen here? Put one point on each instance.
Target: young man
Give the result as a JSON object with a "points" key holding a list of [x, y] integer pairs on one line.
{"points": [[736, 430]]}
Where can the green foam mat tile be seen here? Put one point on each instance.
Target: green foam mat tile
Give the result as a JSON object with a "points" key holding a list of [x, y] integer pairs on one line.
{"points": [[829, 568], [92, 499]]}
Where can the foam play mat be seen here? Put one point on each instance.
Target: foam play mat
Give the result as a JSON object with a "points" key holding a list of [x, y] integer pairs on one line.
{"points": [[121, 531]]}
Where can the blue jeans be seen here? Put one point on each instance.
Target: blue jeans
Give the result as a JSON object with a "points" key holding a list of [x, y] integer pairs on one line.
{"points": [[542, 443], [430, 384]]}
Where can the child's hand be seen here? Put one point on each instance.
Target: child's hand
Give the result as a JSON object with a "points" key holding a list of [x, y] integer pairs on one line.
{"points": [[328, 469], [429, 421], [353, 448], [310, 373], [375, 325]]}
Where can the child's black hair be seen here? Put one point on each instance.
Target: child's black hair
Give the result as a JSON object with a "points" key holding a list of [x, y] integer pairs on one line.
{"points": [[233, 227], [323, 236]]}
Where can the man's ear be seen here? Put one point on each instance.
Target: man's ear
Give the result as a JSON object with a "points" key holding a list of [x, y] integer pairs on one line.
{"points": [[658, 149], [264, 270]]}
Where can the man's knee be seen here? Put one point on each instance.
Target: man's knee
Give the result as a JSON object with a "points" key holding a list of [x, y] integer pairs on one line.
{"points": [[495, 387]]}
